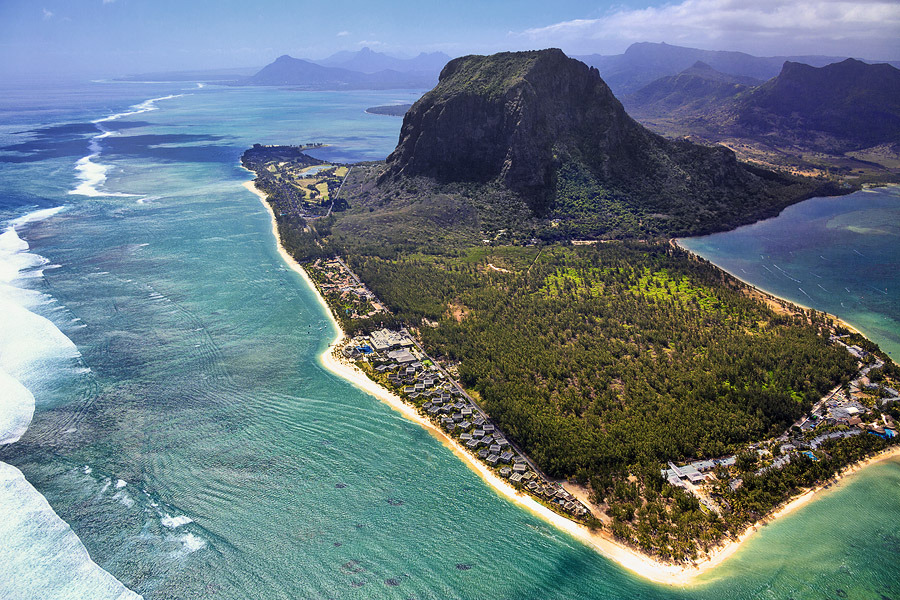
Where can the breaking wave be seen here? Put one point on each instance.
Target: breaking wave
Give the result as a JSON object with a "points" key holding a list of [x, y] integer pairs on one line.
{"points": [[42, 556], [32, 348], [91, 173]]}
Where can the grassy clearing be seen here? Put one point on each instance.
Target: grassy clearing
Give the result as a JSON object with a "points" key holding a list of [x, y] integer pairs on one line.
{"points": [[659, 285]]}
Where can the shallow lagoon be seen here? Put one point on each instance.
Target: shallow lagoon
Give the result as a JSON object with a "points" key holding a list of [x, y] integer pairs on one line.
{"points": [[207, 454]]}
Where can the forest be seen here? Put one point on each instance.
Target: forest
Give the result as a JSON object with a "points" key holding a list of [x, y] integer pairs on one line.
{"points": [[606, 361], [602, 360], [629, 355]]}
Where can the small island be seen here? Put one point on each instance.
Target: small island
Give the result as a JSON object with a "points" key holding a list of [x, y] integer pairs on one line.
{"points": [[391, 110]]}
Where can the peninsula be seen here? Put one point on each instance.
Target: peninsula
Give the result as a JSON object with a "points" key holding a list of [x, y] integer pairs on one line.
{"points": [[631, 393]]}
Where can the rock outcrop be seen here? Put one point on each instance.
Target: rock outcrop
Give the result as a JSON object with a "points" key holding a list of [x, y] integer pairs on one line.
{"points": [[546, 126]]}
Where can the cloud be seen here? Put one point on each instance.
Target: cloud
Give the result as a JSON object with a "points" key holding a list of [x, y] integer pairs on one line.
{"points": [[856, 27], [108, 1], [47, 14], [343, 33], [369, 43]]}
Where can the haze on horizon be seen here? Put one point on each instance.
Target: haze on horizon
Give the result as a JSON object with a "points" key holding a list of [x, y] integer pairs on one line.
{"points": [[99, 38]]}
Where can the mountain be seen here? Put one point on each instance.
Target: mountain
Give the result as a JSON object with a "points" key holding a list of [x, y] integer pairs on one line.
{"points": [[286, 70], [846, 106], [645, 62], [546, 129], [370, 61], [694, 90]]}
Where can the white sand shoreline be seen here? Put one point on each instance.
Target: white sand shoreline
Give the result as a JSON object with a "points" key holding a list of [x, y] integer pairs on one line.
{"points": [[604, 543], [769, 296]]}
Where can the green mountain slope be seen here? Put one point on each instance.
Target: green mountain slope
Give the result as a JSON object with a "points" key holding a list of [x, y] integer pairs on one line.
{"points": [[694, 90]]}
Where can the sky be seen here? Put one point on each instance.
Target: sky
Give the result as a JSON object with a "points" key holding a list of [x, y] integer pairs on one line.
{"points": [[118, 37]]}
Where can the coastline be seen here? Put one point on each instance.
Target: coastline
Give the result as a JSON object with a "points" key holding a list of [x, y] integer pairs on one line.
{"points": [[603, 542], [768, 297]]}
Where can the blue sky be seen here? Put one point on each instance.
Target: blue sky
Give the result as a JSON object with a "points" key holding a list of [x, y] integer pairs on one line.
{"points": [[113, 37]]}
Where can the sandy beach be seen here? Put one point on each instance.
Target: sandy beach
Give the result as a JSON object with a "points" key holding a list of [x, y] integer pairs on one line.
{"points": [[775, 302], [628, 558], [771, 299]]}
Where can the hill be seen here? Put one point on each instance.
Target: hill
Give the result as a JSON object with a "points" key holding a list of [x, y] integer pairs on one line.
{"points": [[695, 90]]}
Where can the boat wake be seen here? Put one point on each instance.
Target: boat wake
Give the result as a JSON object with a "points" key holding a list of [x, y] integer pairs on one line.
{"points": [[783, 272]]}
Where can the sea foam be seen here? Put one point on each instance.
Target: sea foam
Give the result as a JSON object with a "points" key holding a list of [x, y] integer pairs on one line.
{"points": [[16, 408], [42, 556], [175, 522], [92, 174], [32, 348]]}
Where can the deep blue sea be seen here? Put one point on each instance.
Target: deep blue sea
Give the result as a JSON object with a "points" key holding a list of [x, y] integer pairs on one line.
{"points": [[167, 428]]}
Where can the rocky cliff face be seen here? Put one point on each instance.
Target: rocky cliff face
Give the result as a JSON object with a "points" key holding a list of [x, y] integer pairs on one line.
{"points": [[512, 117], [523, 120]]}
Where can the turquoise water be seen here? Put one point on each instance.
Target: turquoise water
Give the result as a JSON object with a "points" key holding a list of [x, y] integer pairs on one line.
{"points": [[185, 431], [839, 255]]}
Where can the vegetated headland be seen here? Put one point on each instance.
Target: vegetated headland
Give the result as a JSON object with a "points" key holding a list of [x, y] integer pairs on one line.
{"points": [[632, 393]]}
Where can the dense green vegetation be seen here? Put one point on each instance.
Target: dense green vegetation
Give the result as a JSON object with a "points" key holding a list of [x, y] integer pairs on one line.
{"points": [[604, 362], [630, 355]]}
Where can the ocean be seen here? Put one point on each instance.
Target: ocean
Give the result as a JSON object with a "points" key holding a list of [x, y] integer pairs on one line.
{"points": [[169, 432]]}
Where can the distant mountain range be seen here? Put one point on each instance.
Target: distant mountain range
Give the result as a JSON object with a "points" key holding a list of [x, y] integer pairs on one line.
{"points": [[296, 72], [641, 64], [844, 106], [645, 62], [370, 61], [364, 69]]}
